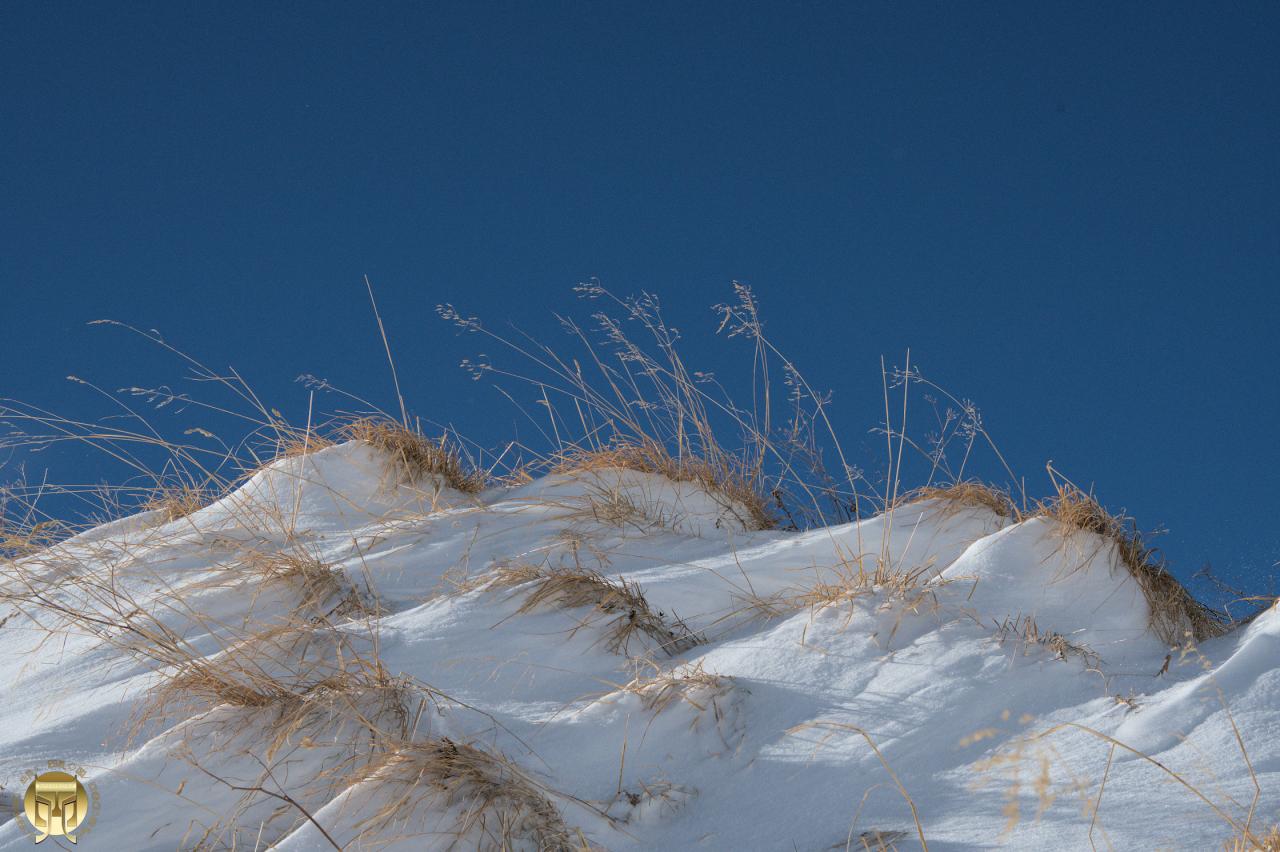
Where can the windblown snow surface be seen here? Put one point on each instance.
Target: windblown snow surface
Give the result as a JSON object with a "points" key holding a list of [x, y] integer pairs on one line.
{"points": [[775, 752]]}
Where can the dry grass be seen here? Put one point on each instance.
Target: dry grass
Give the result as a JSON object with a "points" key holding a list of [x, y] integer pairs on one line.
{"points": [[691, 685], [496, 805], [904, 593], [345, 702], [290, 443], [175, 502], [723, 481], [621, 602], [1035, 747], [850, 581], [1269, 842], [710, 698], [1172, 611], [324, 591], [1029, 636], [749, 607], [908, 591], [837, 729], [615, 506], [289, 669], [18, 539], [236, 708], [414, 456], [880, 841], [265, 692], [967, 494]]}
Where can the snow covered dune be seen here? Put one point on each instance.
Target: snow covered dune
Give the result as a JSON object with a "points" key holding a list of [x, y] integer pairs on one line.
{"points": [[335, 654]]}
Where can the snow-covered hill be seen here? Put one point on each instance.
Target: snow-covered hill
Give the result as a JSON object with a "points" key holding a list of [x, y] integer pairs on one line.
{"points": [[610, 658]]}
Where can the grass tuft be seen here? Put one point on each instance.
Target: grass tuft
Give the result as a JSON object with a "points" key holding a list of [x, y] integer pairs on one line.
{"points": [[1269, 842], [1030, 636], [621, 602], [323, 589], [723, 480], [497, 805], [415, 456], [692, 685], [175, 502], [850, 581], [293, 442], [1172, 611], [967, 494]]}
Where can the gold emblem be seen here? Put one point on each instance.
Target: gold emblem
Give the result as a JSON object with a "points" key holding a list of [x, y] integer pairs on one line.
{"points": [[56, 804]]}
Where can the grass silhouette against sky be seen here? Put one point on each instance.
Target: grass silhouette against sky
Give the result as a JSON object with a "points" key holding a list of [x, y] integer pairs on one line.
{"points": [[1068, 215]]}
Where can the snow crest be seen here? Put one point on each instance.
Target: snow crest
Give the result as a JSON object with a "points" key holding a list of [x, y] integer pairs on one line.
{"points": [[987, 685]]}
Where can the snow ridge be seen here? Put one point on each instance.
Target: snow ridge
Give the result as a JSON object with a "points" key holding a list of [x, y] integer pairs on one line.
{"points": [[986, 674]]}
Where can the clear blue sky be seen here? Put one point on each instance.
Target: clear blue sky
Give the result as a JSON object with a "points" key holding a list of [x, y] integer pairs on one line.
{"points": [[1069, 212]]}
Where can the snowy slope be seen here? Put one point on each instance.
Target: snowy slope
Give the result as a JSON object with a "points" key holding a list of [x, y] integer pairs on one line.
{"points": [[971, 684]]}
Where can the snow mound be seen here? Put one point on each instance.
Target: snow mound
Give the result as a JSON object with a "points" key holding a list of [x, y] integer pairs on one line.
{"points": [[1069, 583], [341, 663], [332, 489]]}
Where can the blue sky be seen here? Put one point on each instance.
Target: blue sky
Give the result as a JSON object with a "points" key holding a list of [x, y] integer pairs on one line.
{"points": [[1069, 214]]}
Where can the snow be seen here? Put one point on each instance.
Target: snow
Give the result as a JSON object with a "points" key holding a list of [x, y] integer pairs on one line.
{"points": [[764, 737]]}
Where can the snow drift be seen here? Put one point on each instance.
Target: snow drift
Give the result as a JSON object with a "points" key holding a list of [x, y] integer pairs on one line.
{"points": [[349, 659]]}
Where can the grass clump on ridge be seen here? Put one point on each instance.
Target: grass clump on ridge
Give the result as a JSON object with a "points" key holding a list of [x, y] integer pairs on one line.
{"points": [[627, 399], [722, 481], [413, 455], [1172, 610], [290, 442], [967, 494]]}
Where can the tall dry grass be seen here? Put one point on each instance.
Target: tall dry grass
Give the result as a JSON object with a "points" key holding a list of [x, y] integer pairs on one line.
{"points": [[635, 405]]}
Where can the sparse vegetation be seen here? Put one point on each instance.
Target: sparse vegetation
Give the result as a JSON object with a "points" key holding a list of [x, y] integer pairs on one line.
{"points": [[323, 590], [729, 487], [494, 804], [850, 581], [620, 603], [692, 685], [413, 455], [174, 502], [305, 671], [1173, 612], [291, 442], [1269, 842], [967, 494], [1028, 635]]}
